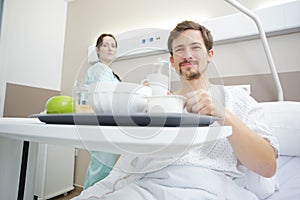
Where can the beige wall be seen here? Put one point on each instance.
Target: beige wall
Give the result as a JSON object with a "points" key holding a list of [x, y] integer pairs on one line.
{"points": [[81, 163], [21, 101]]}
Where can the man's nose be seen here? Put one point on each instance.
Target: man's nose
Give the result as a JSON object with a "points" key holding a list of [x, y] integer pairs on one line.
{"points": [[187, 54]]}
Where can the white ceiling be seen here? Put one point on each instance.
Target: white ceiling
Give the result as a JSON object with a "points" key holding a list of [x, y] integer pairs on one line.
{"points": [[148, 13], [206, 8]]}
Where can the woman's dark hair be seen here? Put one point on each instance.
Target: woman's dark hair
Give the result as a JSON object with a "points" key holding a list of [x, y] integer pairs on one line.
{"points": [[100, 39], [190, 25]]}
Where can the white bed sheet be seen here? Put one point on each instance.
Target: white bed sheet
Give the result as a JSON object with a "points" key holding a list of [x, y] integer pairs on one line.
{"points": [[288, 175]]}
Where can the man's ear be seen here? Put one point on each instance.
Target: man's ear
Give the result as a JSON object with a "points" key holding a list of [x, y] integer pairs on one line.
{"points": [[171, 60], [211, 53]]}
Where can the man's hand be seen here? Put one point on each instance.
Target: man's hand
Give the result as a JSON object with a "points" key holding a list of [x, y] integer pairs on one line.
{"points": [[201, 102]]}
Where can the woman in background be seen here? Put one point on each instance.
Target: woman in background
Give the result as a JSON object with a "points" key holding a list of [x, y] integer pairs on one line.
{"points": [[101, 162], [106, 48]]}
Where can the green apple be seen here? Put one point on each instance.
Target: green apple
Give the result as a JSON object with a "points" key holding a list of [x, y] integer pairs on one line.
{"points": [[60, 104]]}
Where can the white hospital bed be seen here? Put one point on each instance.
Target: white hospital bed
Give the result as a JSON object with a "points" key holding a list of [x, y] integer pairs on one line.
{"points": [[283, 119], [288, 176]]}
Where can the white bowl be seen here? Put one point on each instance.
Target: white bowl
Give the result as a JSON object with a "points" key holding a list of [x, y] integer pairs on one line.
{"points": [[165, 104], [118, 98]]}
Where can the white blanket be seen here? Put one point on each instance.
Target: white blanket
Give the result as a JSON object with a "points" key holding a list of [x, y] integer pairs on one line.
{"points": [[169, 183]]}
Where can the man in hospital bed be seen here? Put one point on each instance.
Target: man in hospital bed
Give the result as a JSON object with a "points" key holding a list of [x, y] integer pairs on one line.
{"points": [[212, 171]]}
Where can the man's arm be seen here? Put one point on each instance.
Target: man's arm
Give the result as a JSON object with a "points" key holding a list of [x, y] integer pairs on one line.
{"points": [[252, 150]]}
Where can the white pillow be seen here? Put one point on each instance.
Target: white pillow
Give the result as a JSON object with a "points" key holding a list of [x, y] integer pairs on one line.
{"points": [[262, 187], [283, 118]]}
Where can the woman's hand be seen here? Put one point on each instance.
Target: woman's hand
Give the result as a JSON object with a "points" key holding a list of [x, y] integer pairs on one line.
{"points": [[201, 102]]}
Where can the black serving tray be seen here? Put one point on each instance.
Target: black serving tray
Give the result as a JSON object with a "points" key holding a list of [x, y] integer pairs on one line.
{"points": [[138, 119]]}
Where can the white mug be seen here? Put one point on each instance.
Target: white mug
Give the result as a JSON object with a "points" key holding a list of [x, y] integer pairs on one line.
{"points": [[158, 83], [165, 104]]}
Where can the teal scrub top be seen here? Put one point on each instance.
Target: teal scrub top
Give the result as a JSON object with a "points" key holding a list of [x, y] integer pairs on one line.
{"points": [[101, 163], [100, 72]]}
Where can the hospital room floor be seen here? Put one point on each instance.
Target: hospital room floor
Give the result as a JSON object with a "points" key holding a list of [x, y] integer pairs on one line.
{"points": [[70, 195]]}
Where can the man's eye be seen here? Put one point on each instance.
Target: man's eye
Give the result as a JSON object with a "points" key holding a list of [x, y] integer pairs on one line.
{"points": [[179, 50], [196, 47]]}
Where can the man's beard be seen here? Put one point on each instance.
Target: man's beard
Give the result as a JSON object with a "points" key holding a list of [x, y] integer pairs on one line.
{"points": [[192, 73]]}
